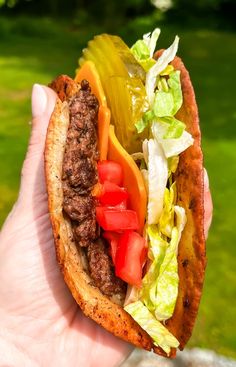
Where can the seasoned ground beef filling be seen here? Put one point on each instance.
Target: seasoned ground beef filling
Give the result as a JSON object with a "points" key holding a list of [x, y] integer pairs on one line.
{"points": [[100, 268], [79, 175]]}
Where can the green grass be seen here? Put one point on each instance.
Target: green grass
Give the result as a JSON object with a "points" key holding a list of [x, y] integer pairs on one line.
{"points": [[42, 49]]}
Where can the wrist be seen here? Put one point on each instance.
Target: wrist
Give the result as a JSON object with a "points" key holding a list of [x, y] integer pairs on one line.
{"points": [[12, 352]]}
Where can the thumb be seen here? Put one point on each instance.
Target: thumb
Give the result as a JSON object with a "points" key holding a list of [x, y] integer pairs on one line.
{"points": [[32, 175]]}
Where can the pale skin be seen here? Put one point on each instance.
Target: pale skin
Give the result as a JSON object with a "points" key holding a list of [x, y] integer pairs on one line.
{"points": [[40, 323]]}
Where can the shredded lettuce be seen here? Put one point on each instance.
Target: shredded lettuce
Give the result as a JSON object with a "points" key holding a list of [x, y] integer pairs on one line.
{"points": [[175, 90], [160, 284], [143, 49], [161, 336], [144, 121], [168, 99], [155, 301], [175, 128], [161, 63], [181, 219], [140, 125], [163, 104], [167, 70], [150, 40], [156, 253], [132, 295], [157, 178], [157, 245], [171, 146], [172, 164], [166, 287], [166, 222], [140, 51]]}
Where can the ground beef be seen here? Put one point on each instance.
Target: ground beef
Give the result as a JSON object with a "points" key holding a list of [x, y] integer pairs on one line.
{"points": [[86, 230], [79, 175], [79, 165], [102, 270], [78, 207]]}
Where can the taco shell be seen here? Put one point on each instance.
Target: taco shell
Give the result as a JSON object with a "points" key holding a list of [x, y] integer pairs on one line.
{"points": [[191, 256]]}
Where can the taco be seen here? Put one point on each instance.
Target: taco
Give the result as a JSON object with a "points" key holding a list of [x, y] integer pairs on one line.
{"points": [[124, 173]]}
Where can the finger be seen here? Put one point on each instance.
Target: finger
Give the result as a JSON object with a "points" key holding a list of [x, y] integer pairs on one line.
{"points": [[32, 176], [208, 205]]}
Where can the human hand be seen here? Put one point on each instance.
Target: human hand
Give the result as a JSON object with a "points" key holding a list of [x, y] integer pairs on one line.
{"points": [[208, 205], [41, 324]]}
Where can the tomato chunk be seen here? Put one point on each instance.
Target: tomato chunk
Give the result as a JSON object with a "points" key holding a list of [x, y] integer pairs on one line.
{"points": [[112, 194], [116, 219], [113, 239], [122, 205], [110, 171], [130, 256]]}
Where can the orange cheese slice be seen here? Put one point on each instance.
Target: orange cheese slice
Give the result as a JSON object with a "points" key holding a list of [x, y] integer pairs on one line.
{"points": [[133, 179], [89, 72]]}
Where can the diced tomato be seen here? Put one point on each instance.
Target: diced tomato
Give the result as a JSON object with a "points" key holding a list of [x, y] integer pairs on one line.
{"points": [[121, 206], [113, 239], [112, 194], [110, 171], [116, 219], [130, 257]]}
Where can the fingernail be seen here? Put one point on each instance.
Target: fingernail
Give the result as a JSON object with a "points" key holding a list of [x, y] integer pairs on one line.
{"points": [[38, 100]]}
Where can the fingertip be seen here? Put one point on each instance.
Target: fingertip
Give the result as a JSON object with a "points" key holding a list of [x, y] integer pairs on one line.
{"points": [[51, 99], [206, 179], [43, 100], [208, 205]]}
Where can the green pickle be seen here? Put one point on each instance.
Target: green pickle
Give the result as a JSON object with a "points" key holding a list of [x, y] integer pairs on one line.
{"points": [[123, 81], [133, 67]]}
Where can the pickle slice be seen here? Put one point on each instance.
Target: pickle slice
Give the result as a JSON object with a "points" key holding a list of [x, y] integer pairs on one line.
{"points": [[121, 77], [121, 92], [133, 67]]}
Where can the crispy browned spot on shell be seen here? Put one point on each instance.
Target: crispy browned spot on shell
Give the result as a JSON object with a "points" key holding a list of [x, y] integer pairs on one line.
{"points": [[64, 86]]}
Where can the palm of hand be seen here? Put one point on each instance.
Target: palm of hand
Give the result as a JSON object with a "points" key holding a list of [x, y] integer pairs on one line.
{"points": [[36, 297], [35, 304]]}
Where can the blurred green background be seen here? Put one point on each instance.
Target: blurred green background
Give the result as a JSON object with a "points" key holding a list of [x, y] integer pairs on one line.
{"points": [[41, 39]]}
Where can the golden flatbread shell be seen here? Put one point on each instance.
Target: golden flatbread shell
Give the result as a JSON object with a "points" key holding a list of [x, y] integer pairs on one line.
{"points": [[190, 188], [191, 251]]}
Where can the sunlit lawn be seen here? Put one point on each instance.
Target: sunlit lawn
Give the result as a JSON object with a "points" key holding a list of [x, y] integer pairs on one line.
{"points": [[50, 49]]}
